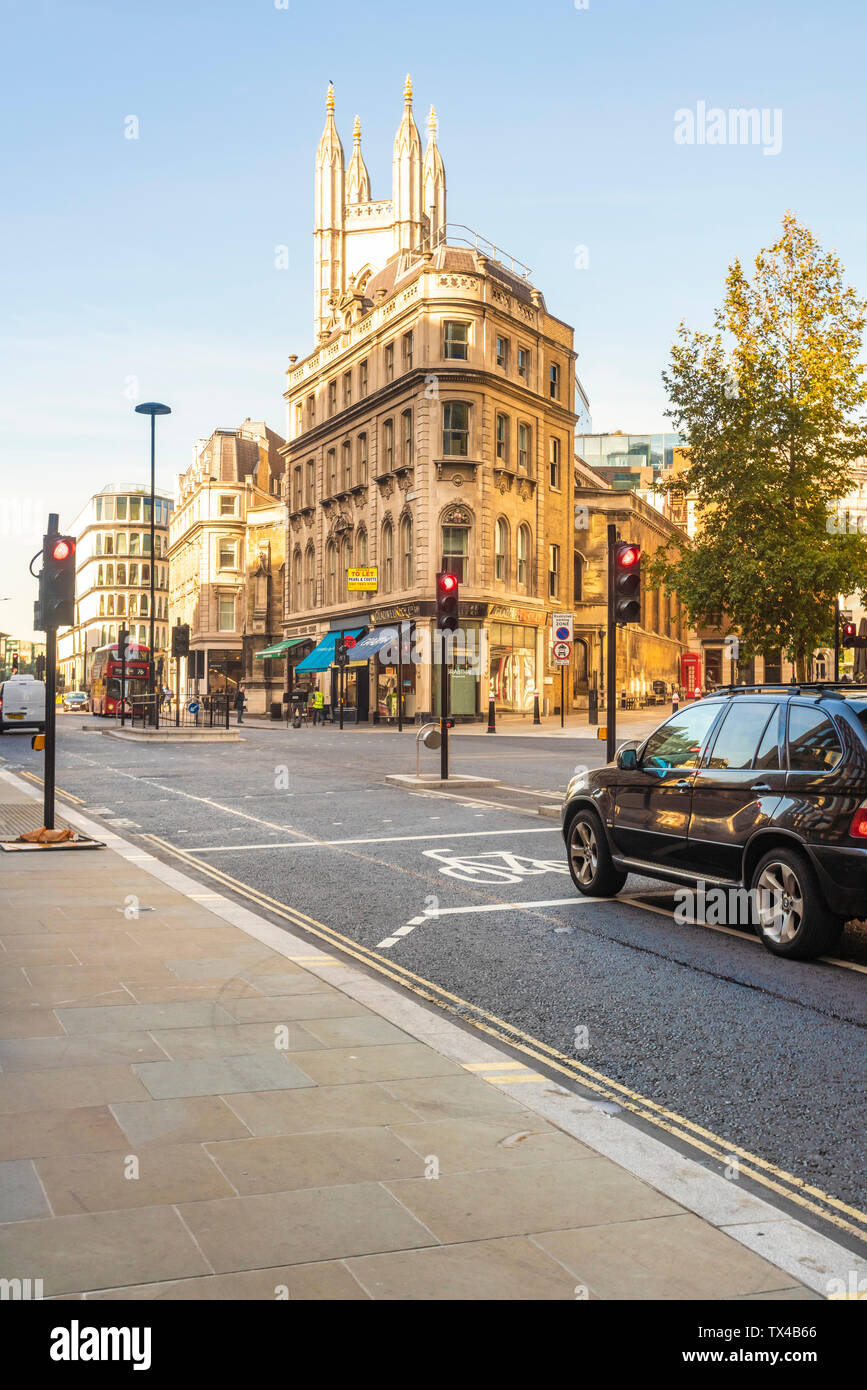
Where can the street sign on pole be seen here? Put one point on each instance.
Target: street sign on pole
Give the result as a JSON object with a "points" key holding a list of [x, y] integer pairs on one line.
{"points": [[562, 627], [562, 653]]}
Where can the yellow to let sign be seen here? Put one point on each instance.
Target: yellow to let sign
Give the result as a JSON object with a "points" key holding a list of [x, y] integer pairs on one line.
{"points": [[362, 580]]}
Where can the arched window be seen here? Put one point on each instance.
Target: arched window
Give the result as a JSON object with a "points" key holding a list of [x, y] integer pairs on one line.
{"points": [[133, 606], [331, 571], [387, 557], [99, 546], [121, 574], [142, 634], [99, 576], [345, 562], [296, 488], [501, 550], [362, 458], [347, 466], [310, 496], [144, 605], [387, 446], [102, 605], [523, 556], [109, 545], [406, 439], [112, 632], [310, 577], [109, 574], [406, 556], [121, 543], [111, 605], [297, 579], [332, 472], [121, 605], [361, 548]]}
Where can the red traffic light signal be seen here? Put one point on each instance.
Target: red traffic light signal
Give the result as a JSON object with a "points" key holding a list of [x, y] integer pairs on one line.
{"points": [[448, 588], [626, 582], [57, 582], [848, 635]]}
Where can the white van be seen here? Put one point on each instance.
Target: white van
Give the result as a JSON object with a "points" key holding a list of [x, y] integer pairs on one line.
{"points": [[22, 704]]}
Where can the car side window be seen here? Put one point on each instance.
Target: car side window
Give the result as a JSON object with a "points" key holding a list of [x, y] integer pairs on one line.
{"points": [[737, 741], [768, 756], [679, 741], [814, 744]]}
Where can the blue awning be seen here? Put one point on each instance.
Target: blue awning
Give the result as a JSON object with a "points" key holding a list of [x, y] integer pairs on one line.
{"points": [[373, 643], [322, 656], [382, 642]]}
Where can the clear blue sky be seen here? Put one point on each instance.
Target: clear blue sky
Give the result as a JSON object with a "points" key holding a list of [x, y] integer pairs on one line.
{"points": [[153, 258]]}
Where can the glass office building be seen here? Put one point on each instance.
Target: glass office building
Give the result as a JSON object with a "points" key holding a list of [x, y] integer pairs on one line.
{"points": [[628, 461]]}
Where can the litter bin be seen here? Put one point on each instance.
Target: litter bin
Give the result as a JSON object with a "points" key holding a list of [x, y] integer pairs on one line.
{"points": [[276, 709]]}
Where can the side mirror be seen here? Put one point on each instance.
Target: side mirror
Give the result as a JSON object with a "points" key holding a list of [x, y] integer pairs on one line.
{"points": [[627, 759]]}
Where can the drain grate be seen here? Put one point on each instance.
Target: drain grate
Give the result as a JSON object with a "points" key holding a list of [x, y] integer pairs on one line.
{"points": [[18, 816]]}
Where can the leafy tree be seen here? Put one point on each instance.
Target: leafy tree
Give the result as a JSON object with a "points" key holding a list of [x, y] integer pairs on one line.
{"points": [[770, 407]]}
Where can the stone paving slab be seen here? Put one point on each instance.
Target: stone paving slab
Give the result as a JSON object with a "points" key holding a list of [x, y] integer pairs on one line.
{"points": [[187, 1113]]}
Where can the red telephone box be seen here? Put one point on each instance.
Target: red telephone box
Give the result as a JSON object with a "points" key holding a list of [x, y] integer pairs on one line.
{"points": [[690, 673]]}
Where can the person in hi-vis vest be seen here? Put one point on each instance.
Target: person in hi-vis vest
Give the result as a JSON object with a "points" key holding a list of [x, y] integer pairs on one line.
{"points": [[317, 704]]}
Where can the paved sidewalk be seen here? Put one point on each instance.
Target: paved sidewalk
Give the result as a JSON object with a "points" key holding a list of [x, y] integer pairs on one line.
{"points": [[190, 1112], [630, 724]]}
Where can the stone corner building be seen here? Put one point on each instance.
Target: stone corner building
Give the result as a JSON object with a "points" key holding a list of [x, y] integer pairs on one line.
{"points": [[226, 557], [430, 428]]}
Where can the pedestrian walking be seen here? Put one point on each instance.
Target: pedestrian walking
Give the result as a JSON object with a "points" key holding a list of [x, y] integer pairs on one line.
{"points": [[675, 700], [317, 703], [240, 703]]}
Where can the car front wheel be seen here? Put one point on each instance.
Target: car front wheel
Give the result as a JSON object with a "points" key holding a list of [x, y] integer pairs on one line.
{"points": [[590, 858], [793, 920]]}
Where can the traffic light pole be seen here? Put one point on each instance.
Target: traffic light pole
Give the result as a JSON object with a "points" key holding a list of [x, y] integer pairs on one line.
{"points": [[837, 638], [121, 640], [50, 726], [444, 711], [611, 654]]}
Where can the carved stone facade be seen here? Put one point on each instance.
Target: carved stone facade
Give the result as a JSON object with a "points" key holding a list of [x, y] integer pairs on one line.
{"points": [[226, 553], [432, 428]]}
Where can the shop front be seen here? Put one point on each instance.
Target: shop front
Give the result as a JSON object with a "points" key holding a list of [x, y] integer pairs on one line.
{"points": [[225, 671], [515, 658]]}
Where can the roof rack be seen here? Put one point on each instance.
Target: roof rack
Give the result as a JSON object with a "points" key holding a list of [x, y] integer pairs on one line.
{"points": [[794, 688]]}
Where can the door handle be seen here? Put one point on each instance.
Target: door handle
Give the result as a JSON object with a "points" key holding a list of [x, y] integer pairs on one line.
{"points": [[760, 787], [683, 786]]}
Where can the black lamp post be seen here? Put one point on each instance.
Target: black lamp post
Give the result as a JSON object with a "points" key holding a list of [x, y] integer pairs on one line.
{"points": [[153, 409]]}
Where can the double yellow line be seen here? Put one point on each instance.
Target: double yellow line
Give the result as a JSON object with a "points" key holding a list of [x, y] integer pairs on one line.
{"points": [[58, 791], [776, 1179]]}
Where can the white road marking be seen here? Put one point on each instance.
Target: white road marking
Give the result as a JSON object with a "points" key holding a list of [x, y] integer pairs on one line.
{"points": [[372, 840], [471, 908]]}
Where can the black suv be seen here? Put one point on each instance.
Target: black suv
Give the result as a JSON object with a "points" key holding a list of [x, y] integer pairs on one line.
{"points": [[761, 788]]}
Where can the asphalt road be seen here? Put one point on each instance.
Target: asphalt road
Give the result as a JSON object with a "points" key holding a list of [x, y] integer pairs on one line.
{"points": [[471, 892]]}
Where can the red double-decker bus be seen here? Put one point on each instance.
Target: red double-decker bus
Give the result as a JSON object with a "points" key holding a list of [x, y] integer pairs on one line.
{"points": [[107, 672]]}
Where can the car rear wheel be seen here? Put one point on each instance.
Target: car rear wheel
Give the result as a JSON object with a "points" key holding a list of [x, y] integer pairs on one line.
{"points": [[590, 858], [793, 919]]}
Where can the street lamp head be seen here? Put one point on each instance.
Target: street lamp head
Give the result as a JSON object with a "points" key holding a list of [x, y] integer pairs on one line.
{"points": [[153, 408]]}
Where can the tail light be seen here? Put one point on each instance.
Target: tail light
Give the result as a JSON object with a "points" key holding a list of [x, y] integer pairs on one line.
{"points": [[858, 828]]}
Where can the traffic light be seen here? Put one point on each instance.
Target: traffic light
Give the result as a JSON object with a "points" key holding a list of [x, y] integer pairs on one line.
{"points": [[447, 602], [57, 586], [181, 639], [847, 638], [627, 582], [14, 663], [340, 654]]}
